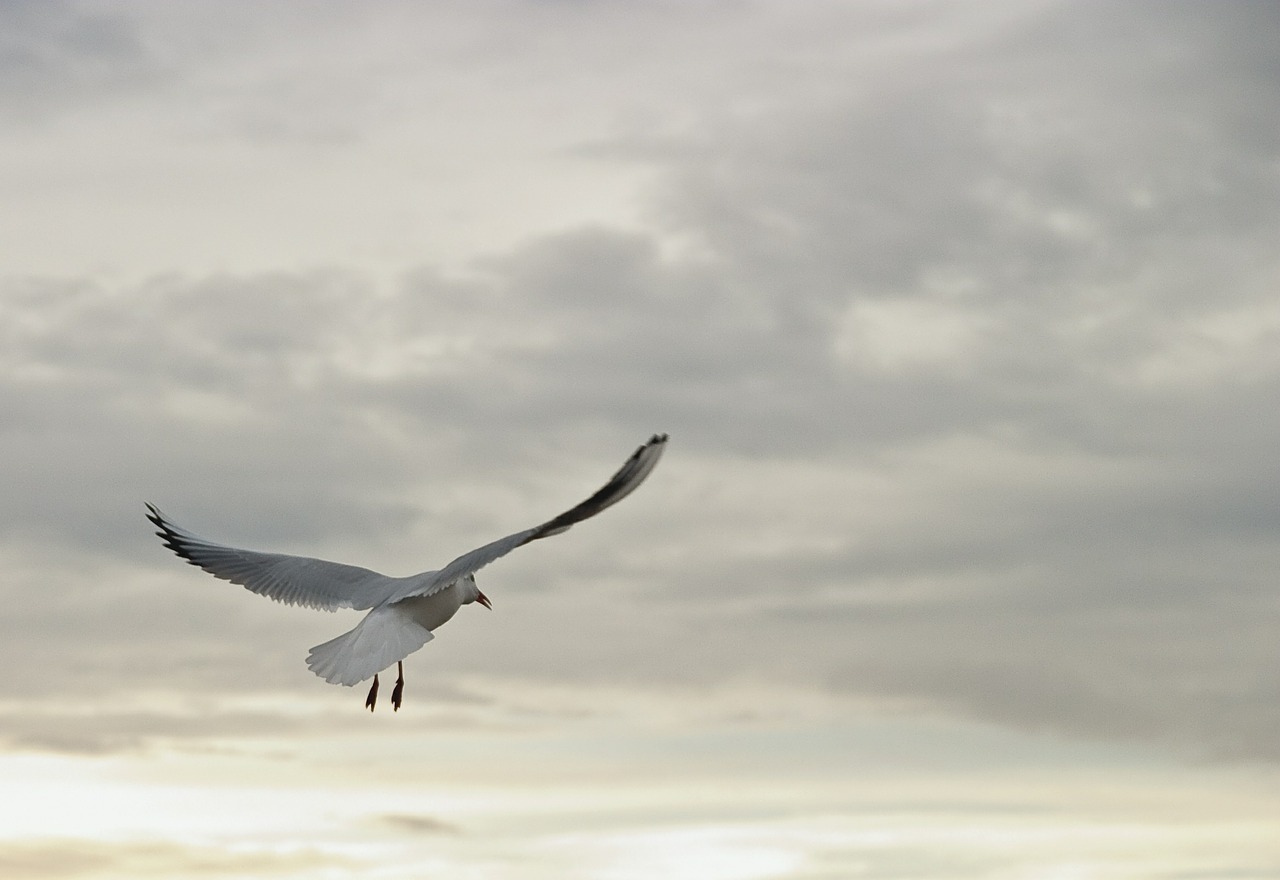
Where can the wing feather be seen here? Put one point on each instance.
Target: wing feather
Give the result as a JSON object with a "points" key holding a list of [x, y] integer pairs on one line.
{"points": [[293, 580], [328, 586], [628, 478]]}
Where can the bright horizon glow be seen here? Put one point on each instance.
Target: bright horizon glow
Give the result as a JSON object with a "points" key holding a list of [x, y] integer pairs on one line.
{"points": [[992, 824]]}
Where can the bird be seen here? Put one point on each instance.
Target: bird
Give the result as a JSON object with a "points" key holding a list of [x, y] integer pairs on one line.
{"points": [[403, 612]]}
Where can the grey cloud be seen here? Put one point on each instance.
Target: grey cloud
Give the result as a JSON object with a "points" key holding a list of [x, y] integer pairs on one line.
{"points": [[56, 55], [418, 824], [93, 712], [1094, 558], [842, 216], [102, 731], [1030, 169]]}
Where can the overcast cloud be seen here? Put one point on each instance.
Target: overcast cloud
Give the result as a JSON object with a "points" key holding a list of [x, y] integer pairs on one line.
{"points": [[962, 318]]}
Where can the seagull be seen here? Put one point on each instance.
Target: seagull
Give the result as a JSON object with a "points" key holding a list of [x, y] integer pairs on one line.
{"points": [[403, 612]]}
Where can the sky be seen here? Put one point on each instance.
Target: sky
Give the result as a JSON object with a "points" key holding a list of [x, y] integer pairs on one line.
{"points": [[960, 563]]}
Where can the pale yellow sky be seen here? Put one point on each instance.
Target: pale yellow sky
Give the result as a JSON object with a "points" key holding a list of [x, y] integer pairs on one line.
{"points": [[518, 805]]}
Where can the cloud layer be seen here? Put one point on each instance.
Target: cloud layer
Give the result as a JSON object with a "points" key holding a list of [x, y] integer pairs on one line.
{"points": [[966, 343]]}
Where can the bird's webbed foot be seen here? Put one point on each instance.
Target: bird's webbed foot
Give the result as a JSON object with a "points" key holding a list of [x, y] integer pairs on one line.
{"points": [[398, 693], [372, 699]]}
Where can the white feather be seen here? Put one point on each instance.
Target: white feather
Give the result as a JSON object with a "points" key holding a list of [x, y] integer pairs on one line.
{"points": [[386, 634]]}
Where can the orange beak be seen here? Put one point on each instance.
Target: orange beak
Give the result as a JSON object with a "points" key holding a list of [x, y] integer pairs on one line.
{"points": [[483, 600]]}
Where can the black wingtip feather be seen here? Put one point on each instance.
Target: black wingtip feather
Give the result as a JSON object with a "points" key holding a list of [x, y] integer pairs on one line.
{"points": [[620, 485], [172, 540]]}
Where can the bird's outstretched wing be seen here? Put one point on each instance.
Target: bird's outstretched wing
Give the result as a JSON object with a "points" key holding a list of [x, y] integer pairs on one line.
{"points": [[293, 580], [316, 583], [632, 473]]}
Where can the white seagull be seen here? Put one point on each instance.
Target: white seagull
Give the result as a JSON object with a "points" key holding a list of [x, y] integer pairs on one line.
{"points": [[403, 612]]}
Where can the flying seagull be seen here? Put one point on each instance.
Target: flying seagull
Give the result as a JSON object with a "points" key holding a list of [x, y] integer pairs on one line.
{"points": [[403, 612]]}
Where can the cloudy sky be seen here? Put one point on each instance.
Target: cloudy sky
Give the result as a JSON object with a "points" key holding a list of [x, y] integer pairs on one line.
{"points": [[962, 317]]}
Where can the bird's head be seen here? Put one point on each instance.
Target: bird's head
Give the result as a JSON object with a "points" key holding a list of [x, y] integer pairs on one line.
{"points": [[471, 593]]}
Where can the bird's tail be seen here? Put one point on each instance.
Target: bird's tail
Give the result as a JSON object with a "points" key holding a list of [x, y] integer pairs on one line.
{"points": [[383, 637]]}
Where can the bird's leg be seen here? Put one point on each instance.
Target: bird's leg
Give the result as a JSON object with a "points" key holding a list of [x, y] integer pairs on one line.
{"points": [[373, 693], [398, 693]]}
